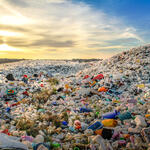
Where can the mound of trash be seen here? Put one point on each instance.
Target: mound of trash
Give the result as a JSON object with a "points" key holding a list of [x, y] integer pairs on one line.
{"points": [[68, 105]]}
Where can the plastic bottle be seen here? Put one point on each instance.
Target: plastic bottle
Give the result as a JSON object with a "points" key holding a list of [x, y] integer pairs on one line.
{"points": [[109, 123], [110, 115], [82, 110], [125, 116]]}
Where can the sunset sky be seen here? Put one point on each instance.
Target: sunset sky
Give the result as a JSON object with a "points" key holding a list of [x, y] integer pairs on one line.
{"points": [[66, 29]]}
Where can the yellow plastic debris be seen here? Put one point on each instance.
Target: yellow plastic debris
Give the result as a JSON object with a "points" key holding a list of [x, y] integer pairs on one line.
{"points": [[121, 71], [116, 101], [109, 123], [138, 61], [141, 86], [66, 86]]}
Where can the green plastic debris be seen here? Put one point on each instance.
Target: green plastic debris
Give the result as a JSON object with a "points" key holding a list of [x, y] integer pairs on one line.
{"points": [[10, 92], [76, 148], [108, 100], [125, 116], [41, 110], [97, 113], [55, 145]]}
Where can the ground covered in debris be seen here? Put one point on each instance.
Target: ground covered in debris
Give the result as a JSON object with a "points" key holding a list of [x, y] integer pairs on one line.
{"points": [[71, 105]]}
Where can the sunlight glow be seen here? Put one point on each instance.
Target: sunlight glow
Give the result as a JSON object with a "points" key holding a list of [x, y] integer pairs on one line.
{"points": [[13, 20], [7, 33], [5, 47]]}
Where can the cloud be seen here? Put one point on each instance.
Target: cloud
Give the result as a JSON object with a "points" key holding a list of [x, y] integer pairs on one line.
{"points": [[1, 41], [3, 53], [39, 43], [57, 1], [52, 43], [20, 3], [18, 42], [64, 26], [125, 42], [14, 28]]}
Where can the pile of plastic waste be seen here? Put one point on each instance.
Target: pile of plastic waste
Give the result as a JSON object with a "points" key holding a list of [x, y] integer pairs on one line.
{"points": [[64, 105]]}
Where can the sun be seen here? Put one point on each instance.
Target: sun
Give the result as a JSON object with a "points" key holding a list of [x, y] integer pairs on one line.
{"points": [[5, 47]]}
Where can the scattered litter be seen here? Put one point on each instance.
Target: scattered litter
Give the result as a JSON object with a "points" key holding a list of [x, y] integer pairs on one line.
{"points": [[66, 105]]}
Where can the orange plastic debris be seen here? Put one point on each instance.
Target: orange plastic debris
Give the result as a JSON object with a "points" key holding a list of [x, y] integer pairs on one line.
{"points": [[147, 116], [99, 131], [126, 136], [109, 123], [102, 89], [66, 86]]}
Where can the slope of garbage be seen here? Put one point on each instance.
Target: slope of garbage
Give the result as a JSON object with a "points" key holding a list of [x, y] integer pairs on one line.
{"points": [[64, 105]]}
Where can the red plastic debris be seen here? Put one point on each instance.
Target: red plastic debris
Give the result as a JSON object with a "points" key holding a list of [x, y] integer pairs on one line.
{"points": [[98, 77], [86, 76], [6, 132], [25, 76], [25, 93], [42, 85]]}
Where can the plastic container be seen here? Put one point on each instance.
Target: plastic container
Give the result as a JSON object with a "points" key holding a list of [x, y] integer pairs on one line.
{"points": [[64, 123], [109, 123], [43, 145], [98, 77], [97, 125], [82, 110], [27, 138], [10, 92], [125, 116], [111, 115], [8, 109]]}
